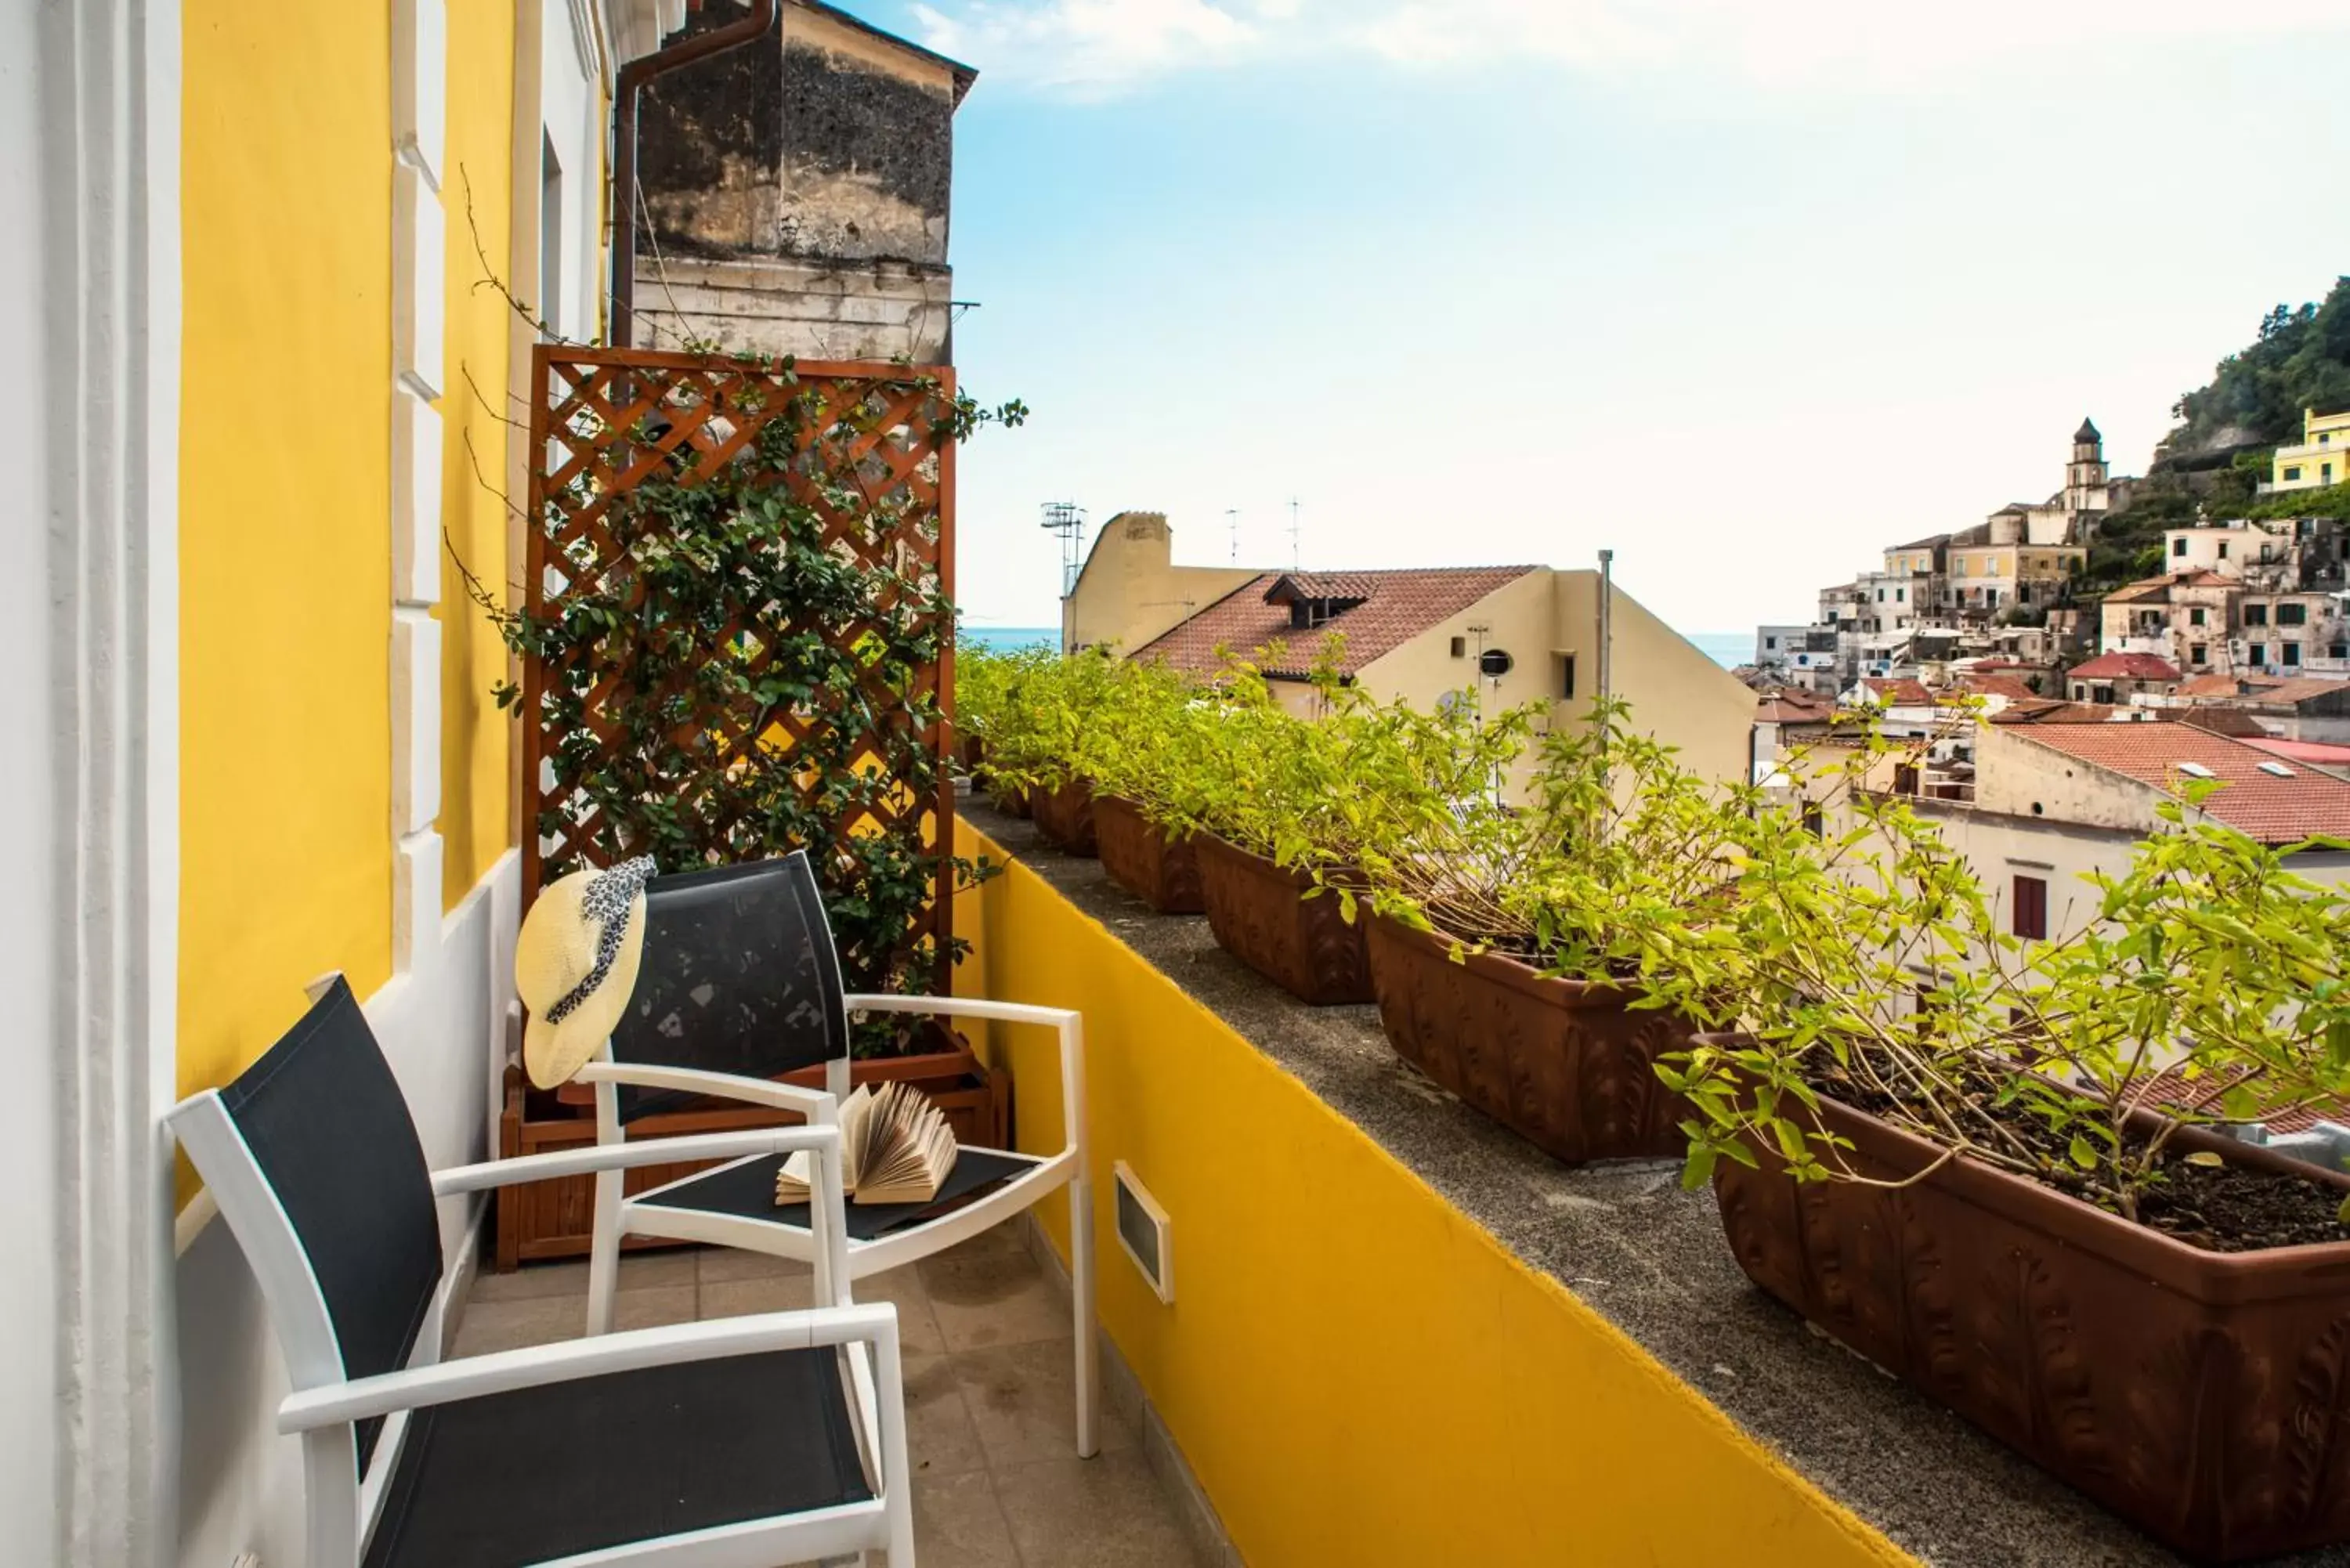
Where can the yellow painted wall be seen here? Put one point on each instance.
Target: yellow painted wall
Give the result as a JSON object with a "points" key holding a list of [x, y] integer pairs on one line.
{"points": [[1357, 1373], [285, 541], [476, 759]]}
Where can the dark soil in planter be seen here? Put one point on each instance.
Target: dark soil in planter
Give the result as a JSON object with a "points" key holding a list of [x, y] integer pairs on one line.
{"points": [[2202, 1395], [2222, 1208], [1065, 816], [1162, 872], [1262, 917], [1567, 1066]]}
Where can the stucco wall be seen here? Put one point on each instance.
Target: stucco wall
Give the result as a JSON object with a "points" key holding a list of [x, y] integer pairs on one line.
{"points": [[285, 535], [287, 827], [1676, 693], [781, 305], [1357, 1371], [1131, 591], [2016, 775]]}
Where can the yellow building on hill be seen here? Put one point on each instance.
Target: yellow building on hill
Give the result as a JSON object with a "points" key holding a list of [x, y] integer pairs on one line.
{"points": [[2322, 456]]}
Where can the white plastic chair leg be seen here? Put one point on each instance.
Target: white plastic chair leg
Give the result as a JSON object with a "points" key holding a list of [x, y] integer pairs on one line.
{"points": [[1081, 1301], [603, 1253]]}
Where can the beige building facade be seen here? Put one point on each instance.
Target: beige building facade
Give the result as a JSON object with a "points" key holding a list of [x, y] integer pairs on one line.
{"points": [[1130, 590], [1508, 635]]}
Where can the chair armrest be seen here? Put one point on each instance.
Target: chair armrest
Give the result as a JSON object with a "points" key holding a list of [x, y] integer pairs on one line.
{"points": [[624, 1156], [418, 1387], [717, 1085], [963, 1007]]}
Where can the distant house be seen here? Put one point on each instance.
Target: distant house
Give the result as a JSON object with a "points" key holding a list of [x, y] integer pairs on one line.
{"points": [[2118, 676], [1508, 634], [2322, 456]]}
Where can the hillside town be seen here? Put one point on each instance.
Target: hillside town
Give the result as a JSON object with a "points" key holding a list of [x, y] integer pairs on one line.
{"points": [[2242, 631]]}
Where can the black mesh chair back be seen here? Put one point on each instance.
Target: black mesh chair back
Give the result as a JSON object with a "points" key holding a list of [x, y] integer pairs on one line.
{"points": [[739, 976], [332, 1132]]}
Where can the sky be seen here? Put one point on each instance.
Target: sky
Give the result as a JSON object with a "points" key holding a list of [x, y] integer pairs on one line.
{"points": [[1744, 291]]}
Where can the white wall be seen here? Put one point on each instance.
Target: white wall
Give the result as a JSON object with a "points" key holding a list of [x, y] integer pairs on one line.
{"points": [[28, 854]]}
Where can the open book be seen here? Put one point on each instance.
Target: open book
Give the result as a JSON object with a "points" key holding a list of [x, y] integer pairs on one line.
{"points": [[895, 1147]]}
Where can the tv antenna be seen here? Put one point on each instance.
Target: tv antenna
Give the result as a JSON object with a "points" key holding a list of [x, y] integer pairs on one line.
{"points": [[1293, 533], [1067, 519], [1233, 524]]}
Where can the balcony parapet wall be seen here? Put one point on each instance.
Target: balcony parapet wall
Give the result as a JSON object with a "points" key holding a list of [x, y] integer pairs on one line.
{"points": [[1402, 1335]]}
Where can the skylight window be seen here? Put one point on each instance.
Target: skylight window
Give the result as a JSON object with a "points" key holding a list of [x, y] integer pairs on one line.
{"points": [[2277, 770], [2196, 771]]}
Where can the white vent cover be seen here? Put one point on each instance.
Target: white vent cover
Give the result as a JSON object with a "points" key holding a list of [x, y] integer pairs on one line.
{"points": [[2277, 770], [2195, 771], [1142, 1232]]}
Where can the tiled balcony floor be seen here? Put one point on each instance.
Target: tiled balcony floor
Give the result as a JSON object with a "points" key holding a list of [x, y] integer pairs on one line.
{"points": [[990, 1400]]}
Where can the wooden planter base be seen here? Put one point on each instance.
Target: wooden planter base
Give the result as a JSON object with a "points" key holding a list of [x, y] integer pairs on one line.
{"points": [[556, 1219]]}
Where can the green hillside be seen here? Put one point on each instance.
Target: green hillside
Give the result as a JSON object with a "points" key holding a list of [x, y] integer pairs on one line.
{"points": [[2300, 359], [2209, 463]]}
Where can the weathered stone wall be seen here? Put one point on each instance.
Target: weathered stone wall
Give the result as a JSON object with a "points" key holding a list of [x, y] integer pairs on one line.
{"points": [[797, 193], [814, 309], [822, 141]]}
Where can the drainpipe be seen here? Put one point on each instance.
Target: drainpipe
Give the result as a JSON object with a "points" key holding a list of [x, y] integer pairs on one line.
{"points": [[633, 77]]}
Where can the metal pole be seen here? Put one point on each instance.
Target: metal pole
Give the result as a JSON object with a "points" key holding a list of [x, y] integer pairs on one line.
{"points": [[633, 76], [1606, 586]]}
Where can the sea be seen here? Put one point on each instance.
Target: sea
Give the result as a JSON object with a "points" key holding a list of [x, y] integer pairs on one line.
{"points": [[1728, 649]]}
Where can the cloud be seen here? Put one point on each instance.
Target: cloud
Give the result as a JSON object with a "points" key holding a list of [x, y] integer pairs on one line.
{"points": [[1091, 45], [1101, 45]]}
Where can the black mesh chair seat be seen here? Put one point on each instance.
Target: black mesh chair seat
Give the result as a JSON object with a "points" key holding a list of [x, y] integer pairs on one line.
{"points": [[541, 1473], [746, 1191]]}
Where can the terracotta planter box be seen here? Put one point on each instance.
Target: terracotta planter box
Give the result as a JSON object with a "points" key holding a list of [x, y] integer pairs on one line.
{"points": [[1567, 1066], [1012, 800], [1065, 816], [2203, 1396], [1162, 872], [556, 1219], [1261, 916], [973, 752]]}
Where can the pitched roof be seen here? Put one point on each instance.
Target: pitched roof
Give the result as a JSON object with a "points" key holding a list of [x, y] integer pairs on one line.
{"points": [[1984, 683], [2319, 754], [2223, 720], [2263, 805], [2128, 666], [2224, 685], [2299, 689], [1396, 607], [1901, 690], [2143, 589], [2052, 711], [1928, 543]]}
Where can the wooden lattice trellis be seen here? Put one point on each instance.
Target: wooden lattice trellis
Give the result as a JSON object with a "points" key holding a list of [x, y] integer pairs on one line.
{"points": [[610, 424]]}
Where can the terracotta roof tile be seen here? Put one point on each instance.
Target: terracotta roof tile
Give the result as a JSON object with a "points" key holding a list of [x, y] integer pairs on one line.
{"points": [[2128, 666], [1902, 690], [2222, 685], [2299, 689], [1397, 606], [1984, 683], [2321, 753], [2260, 804], [2053, 710], [2221, 720]]}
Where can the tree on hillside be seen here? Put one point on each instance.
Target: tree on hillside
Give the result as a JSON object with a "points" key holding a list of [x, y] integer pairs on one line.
{"points": [[2301, 360]]}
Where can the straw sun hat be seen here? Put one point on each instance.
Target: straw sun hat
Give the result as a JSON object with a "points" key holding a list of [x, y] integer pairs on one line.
{"points": [[575, 963]]}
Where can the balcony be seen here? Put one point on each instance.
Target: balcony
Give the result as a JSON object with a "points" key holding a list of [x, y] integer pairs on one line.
{"points": [[1392, 1317]]}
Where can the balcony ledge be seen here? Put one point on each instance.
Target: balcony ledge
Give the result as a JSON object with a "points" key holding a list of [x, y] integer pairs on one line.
{"points": [[1646, 1256]]}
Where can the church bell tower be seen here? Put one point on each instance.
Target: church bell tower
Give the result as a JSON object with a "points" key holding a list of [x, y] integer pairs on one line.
{"points": [[2084, 479]]}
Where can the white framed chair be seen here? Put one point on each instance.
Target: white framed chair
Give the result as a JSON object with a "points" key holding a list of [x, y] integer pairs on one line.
{"points": [[740, 984], [735, 1444]]}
